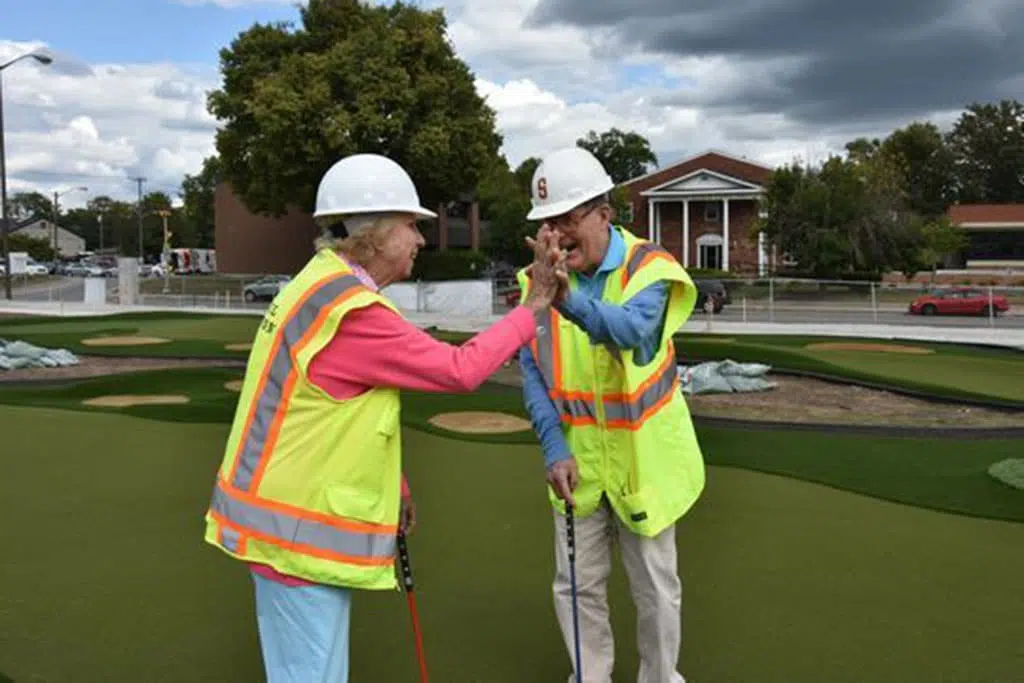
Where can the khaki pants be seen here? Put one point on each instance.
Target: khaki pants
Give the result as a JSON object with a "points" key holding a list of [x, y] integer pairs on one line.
{"points": [[650, 565]]}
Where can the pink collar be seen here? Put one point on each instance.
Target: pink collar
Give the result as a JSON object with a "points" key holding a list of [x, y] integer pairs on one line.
{"points": [[363, 276]]}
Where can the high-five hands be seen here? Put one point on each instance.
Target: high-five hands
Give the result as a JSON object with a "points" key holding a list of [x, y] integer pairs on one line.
{"points": [[548, 272]]}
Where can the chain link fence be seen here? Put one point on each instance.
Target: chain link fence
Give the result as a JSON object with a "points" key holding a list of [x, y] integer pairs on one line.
{"points": [[765, 300]]}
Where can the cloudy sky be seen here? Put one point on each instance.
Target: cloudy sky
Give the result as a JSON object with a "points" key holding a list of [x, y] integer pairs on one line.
{"points": [[772, 80]]}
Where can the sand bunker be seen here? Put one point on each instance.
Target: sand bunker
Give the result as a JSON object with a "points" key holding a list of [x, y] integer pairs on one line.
{"points": [[480, 422], [238, 347], [124, 341], [233, 385], [856, 346], [128, 400]]}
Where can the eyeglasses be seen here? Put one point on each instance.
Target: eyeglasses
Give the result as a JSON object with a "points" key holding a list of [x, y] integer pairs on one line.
{"points": [[568, 220]]}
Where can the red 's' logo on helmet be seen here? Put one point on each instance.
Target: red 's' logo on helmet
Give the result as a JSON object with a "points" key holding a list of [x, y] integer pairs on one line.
{"points": [[542, 188]]}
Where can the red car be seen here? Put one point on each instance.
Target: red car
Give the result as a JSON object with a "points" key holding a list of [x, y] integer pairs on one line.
{"points": [[958, 301]]}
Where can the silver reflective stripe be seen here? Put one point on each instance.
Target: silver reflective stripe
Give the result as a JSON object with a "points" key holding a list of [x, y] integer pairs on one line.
{"points": [[291, 530], [546, 346], [232, 539], [638, 255], [577, 408], [265, 406], [633, 411]]}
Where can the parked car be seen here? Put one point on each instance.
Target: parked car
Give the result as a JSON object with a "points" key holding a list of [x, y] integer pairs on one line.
{"points": [[714, 290], [958, 301], [264, 289]]}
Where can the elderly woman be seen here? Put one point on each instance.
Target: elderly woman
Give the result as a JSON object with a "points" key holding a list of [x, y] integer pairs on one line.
{"points": [[310, 492]]}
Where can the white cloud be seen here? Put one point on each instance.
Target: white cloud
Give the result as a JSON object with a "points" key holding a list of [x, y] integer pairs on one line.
{"points": [[72, 124]]}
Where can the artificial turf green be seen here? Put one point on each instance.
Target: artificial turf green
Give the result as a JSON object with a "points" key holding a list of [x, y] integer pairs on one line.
{"points": [[943, 474], [105, 576], [953, 371]]}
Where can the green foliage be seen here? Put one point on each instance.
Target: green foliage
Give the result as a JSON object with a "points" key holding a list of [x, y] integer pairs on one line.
{"points": [[37, 248], [356, 77], [624, 154], [451, 264], [850, 216], [504, 197], [987, 146], [197, 192], [30, 205]]}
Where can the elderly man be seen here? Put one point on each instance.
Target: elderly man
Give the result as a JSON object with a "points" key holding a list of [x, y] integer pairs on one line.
{"points": [[601, 386]]}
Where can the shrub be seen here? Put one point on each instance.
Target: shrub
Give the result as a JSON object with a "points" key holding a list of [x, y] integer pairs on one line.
{"points": [[452, 264]]}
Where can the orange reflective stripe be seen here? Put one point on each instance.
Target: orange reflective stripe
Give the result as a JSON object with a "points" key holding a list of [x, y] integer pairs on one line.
{"points": [[268, 405]]}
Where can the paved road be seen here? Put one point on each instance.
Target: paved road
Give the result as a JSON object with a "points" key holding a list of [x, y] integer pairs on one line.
{"points": [[73, 290], [836, 314]]}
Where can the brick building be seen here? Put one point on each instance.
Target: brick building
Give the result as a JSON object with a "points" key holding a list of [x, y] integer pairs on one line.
{"points": [[250, 244], [701, 209], [995, 234]]}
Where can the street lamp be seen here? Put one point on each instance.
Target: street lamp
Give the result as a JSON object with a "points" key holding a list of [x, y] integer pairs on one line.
{"points": [[42, 59], [56, 214]]}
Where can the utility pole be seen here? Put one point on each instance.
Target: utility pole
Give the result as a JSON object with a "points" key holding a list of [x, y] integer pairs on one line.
{"points": [[140, 180]]}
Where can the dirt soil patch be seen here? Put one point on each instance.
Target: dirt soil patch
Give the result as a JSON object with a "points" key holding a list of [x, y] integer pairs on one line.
{"points": [[858, 346], [97, 366], [805, 400], [128, 400], [480, 422], [814, 401], [124, 341]]}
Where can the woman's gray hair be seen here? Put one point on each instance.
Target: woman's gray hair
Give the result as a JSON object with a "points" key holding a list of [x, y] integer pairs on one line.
{"points": [[359, 236]]}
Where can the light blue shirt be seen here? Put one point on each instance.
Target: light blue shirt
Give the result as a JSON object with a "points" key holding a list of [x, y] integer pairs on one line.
{"points": [[636, 324]]}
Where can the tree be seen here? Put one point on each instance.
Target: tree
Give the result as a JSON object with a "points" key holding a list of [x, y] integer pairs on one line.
{"points": [[30, 205], [846, 218], [926, 166], [38, 248], [197, 193], [625, 155], [940, 238], [987, 146], [355, 77], [504, 197]]}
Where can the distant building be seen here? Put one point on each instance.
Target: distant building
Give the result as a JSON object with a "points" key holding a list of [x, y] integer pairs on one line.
{"points": [[247, 243], [701, 209], [69, 243], [996, 234]]}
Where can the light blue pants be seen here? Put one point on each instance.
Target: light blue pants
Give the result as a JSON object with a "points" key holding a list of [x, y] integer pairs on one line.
{"points": [[304, 631]]}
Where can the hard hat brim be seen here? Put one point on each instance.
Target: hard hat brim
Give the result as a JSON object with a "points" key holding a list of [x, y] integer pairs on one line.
{"points": [[416, 210], [553, 209]]}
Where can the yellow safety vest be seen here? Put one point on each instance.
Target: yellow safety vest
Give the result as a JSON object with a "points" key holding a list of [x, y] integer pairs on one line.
{"points": [[627, 426], [309, 484]]}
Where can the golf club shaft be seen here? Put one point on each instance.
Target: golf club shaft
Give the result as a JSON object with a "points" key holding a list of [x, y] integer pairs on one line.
{"points": [[406, 567], [570, 528]]}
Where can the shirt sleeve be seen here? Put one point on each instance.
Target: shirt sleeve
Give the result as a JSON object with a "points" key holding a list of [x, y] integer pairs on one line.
{"points": [[544, 415], [627, 326], [374, 347]]}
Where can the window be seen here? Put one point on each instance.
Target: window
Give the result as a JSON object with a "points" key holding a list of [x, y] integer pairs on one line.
{"points": [[711, 212]]}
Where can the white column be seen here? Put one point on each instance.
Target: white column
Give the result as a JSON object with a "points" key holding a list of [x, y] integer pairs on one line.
{"points": [[650, 219], [725, 234], [657, 222], [686, 233], [762, 254]]}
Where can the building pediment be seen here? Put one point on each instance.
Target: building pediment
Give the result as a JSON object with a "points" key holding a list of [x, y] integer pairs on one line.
{"points": [[703, 182]]}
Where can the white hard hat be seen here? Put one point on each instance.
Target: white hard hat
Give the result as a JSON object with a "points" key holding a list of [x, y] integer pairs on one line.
{"points": [[564, 180], [367, 183]]}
